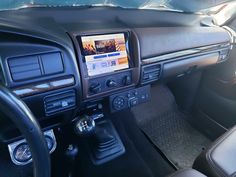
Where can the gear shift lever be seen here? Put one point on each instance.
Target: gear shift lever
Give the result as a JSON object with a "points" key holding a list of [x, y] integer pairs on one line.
{"points": [[85, 125], [102, 135], [105, 143], [103, 140]]}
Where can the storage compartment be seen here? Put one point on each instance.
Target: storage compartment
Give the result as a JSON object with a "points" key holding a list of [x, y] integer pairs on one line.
{"points": [[186, 66], [35, 66], [52, 63], [24, 67]]}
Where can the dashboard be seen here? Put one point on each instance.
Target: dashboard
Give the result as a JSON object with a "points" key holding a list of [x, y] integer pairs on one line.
{"points": [[60, 66]]}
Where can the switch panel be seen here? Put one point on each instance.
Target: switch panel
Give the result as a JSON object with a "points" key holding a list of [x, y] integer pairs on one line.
{"points": [[129, 98]]}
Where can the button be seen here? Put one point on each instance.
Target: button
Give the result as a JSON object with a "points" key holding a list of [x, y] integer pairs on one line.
{"points": [[143, 97], [119, 103], [129, 95], [133, 102]]}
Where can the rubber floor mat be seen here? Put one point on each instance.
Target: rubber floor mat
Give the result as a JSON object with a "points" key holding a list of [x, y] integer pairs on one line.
{"points": [[168, 129]]}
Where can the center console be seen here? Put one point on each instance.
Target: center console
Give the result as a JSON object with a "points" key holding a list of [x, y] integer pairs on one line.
{"points": [[106, 62], [109, 64], [219, 158]]}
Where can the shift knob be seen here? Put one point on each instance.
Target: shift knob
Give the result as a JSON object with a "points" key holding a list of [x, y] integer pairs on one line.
{"points": [[85, 125]]}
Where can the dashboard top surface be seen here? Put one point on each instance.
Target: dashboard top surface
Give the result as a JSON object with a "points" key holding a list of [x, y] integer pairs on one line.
{"points": [[56, 21]]}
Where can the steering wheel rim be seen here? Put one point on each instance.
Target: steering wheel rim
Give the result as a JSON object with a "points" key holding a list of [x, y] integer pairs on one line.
{"points": [[22, 117]]}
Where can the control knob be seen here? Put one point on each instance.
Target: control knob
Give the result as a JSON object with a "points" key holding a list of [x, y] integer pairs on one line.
{"points": [[127, 80], [95, 88], [111, 83]]}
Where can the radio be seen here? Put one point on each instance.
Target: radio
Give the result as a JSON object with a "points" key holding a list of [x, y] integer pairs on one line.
{"points": [[106, 63]]}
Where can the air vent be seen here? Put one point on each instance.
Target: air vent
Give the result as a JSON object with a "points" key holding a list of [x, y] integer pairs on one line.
{"points": [[59, 102], [151, 73]]}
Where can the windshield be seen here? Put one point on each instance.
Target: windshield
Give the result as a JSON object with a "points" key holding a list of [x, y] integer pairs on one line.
{"points": [[177, 5]]}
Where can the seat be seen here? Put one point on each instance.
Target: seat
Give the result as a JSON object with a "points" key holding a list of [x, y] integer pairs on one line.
{"points": [[219, 160], [187, 173]]}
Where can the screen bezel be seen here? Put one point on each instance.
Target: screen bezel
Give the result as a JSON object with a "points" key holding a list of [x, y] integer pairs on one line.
{"points": [[127, 44]]}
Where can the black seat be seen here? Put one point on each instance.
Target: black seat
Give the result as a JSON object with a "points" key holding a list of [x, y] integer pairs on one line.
{"points": [[187, 173], [219, 160]]}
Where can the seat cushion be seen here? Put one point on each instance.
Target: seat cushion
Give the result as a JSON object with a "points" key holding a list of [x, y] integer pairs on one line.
{"points": [[219, 160], [187, 173]]}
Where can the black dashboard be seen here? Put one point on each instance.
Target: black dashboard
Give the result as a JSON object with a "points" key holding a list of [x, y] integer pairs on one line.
{"points": [[60, 64]]}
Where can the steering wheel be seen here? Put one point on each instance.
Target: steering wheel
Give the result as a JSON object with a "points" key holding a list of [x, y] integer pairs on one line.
{"points": [[22, 117]]}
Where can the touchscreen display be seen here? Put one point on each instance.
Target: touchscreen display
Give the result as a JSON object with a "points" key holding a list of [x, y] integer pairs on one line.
{"points": [[104, 53]]}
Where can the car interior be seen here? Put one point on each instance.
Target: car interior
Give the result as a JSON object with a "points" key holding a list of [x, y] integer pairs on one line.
{"points": [[117, 88]]}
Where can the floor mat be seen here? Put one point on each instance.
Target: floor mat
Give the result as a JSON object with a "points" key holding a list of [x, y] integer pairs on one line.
{"points": [[168, 129]]}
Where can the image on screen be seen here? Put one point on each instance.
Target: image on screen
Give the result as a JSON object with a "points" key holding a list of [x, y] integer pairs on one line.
{"points": [[105, 53]]}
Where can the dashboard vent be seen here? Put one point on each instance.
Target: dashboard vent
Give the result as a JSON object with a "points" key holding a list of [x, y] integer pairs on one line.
{"points": [[59, 102], [151, 73]]}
